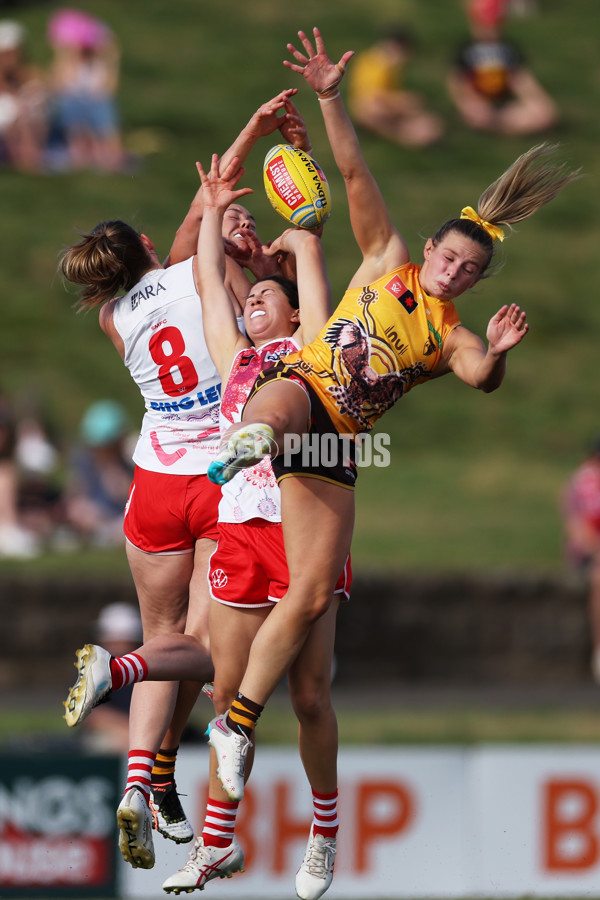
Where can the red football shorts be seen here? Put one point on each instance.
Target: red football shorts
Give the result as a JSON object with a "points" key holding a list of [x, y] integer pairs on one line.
{"points": [[249, 567], [169, 513]]}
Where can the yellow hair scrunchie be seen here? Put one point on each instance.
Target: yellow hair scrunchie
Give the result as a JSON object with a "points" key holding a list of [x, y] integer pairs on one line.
{"points": [[496, 233]]}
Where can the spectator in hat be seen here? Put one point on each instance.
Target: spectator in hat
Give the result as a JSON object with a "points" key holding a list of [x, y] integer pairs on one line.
{"points": [[118, 629], [84, 76], [101, 472]]}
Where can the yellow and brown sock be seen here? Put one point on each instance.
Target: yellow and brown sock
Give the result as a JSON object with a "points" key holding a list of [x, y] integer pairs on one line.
{"points": [[163, 771], [243, 715]]}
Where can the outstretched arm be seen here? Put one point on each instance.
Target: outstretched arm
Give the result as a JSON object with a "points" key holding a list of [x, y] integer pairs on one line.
{"points": [[380, 243], [263, 122], [293, 131], [223, 337], [314, 290], [481, 368]]}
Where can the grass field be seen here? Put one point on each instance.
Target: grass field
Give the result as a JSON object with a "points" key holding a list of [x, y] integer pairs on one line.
{"points": [[475, 479]]}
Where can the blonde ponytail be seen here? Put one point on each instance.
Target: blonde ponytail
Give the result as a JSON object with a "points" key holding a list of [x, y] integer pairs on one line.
{"points": [[528, 184], [531, 182]]}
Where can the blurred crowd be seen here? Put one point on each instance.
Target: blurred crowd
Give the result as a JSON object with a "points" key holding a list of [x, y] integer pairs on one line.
{"points": [[489, 82], [581, 517], [60, 498], [66, 116]]}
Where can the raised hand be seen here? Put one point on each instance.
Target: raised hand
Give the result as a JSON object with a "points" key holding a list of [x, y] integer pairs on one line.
{"points": [[219, 188], [259, 263], [507, 328], [288, 241], [266, 120], [275, 258], [315, 66], [293, 127]]}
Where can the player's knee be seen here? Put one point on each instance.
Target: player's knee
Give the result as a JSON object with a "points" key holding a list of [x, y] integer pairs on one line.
{"points": [[311, 702], [318, 604]]}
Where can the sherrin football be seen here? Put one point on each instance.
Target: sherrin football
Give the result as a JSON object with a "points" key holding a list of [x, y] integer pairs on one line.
{"points": [[296, 186]]}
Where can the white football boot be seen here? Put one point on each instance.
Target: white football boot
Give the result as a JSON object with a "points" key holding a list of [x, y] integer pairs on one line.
{"points": [[93, 685], [134, 819], [246, 447], [316, 872], [204, 864], [231, 748]]}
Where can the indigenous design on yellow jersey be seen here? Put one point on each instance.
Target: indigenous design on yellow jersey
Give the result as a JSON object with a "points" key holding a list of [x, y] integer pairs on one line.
{"points": [[382, 340]]}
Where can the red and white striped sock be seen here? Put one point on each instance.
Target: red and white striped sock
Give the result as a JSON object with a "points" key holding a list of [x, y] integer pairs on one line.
{"points": [[139, 771], [127, 669], [325, 819], [219, 822]]}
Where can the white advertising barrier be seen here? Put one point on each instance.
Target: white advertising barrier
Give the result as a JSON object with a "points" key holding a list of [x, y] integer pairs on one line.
{"points": [[537, 821], [418, 822]]}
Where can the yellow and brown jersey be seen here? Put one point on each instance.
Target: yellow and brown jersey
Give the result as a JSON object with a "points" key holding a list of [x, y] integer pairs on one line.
{"points": [[489, 66], [382, 340]]}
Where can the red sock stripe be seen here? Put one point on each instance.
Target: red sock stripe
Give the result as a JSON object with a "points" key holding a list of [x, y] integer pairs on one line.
{"points": [[325, 818], [128, 669], [326, 798], [139, 763], [142, 665], [144, 757], [139, 771], [230, 805], [217, 820], [219, 823]]}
